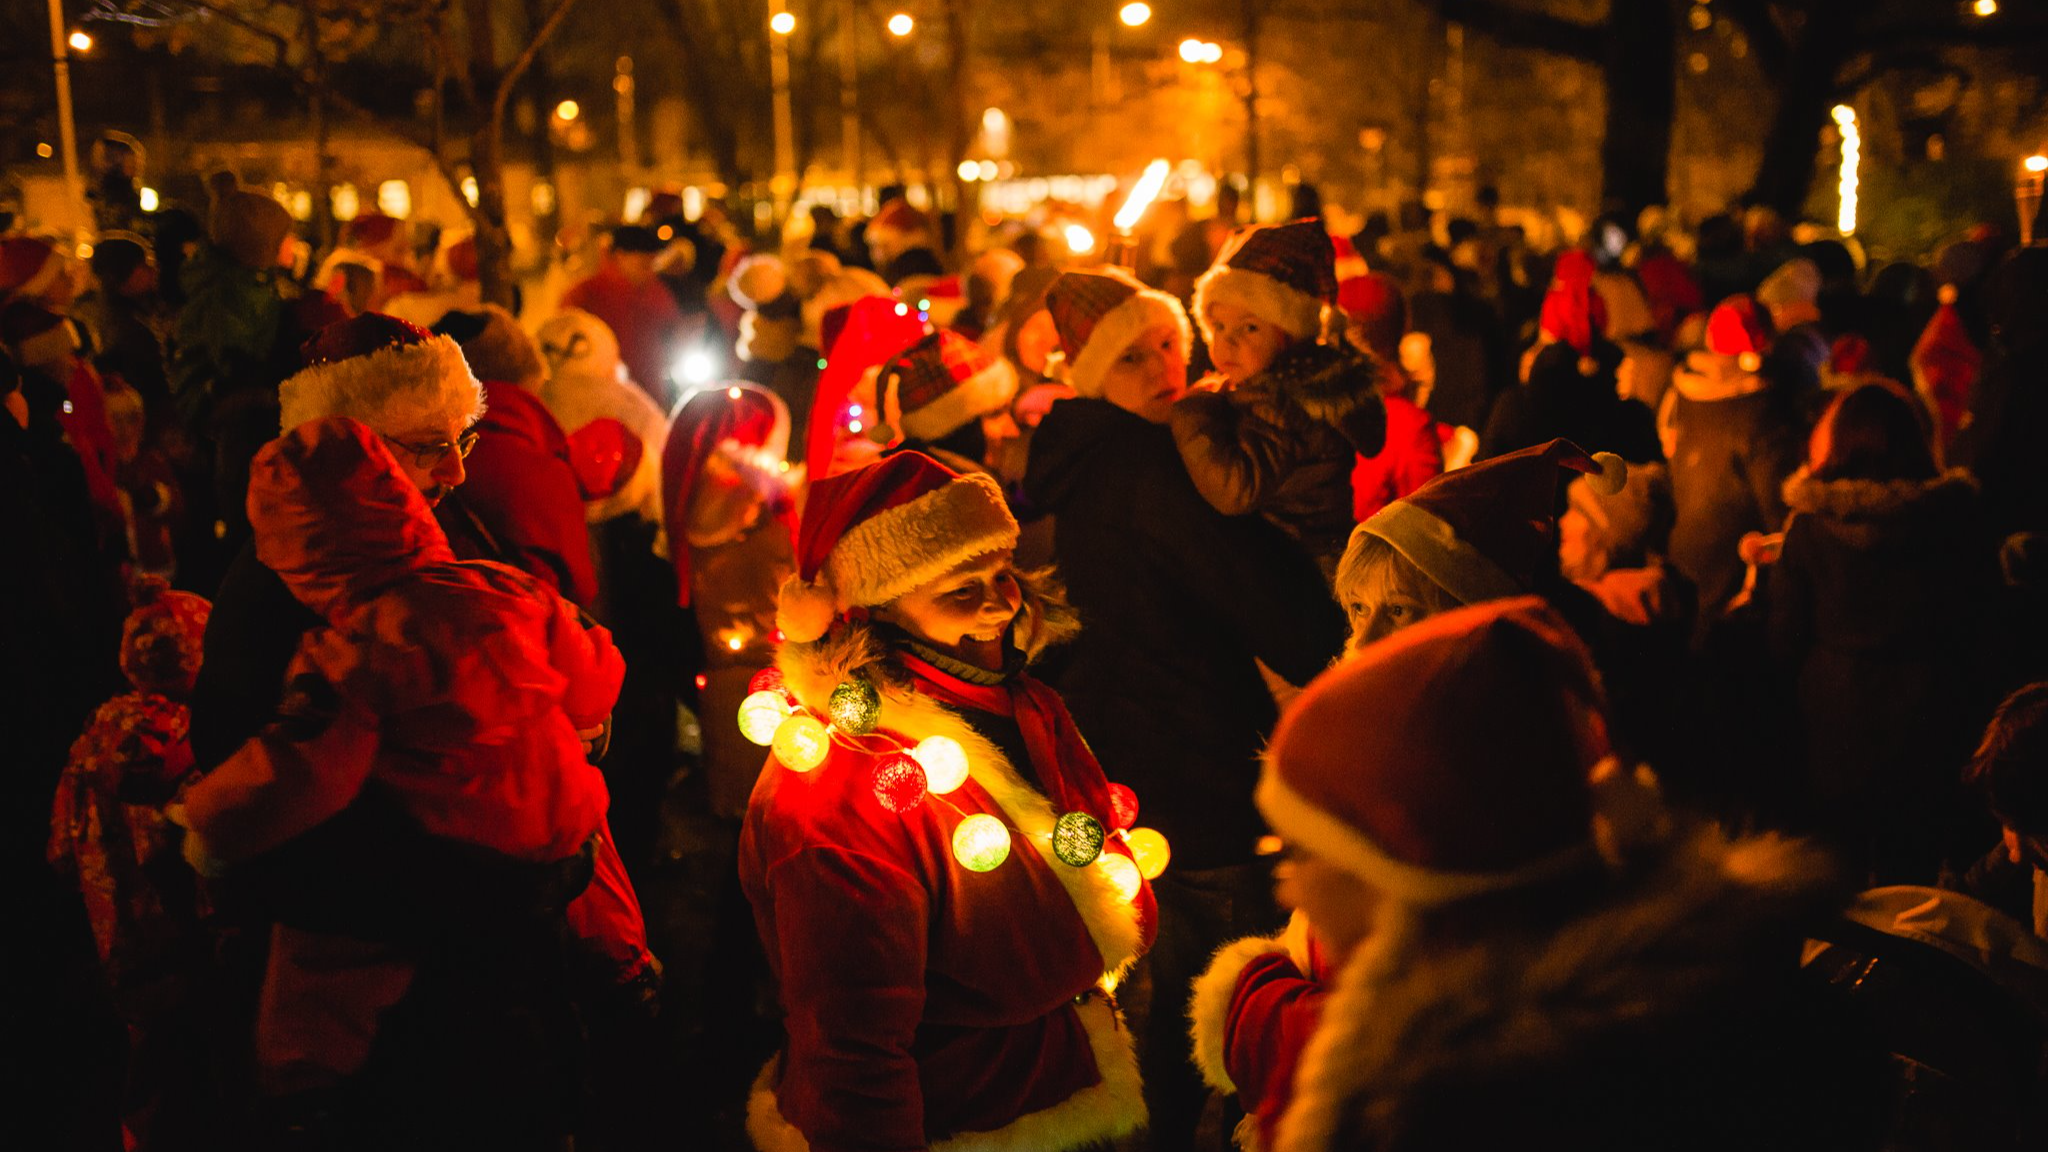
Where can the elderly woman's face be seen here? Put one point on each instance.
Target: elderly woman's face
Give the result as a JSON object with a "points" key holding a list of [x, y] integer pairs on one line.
{"points": [[1148, 375]]}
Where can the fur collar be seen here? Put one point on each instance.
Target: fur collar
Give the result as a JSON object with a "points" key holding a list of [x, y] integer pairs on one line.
{"points": [[1876, 499], [1405, 1010], [812, 670], [1706, 377], [1336, 386]]}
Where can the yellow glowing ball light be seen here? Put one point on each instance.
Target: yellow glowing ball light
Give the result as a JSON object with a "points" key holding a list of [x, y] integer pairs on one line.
{"points": [[761, 715], [1150, 850], [1123, 875], [945, 763], [981, 843], [801, 743]]}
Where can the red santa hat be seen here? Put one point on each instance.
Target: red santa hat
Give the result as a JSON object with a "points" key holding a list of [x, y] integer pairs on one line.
{"points": [[1736, 330], [1283, 273], [898, 226], [708, 421], [1946, 363], [1374, 305], [28, 267], [370, 230], [1573, 313], [160, 641], [872, 534], [858, 338], [1489, 531], [941, 382], [1098, 314], [384, 372], [1379, 768]]}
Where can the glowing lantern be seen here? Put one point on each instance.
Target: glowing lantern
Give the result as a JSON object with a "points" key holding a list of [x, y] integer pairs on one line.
{"points": [[944, 763], [1077, 839], [1123, 806], [801, 743], [767, 680], [899, 783], [855, 706], [1150, 850], [1123, 874], [981, 843], [761, 716]]}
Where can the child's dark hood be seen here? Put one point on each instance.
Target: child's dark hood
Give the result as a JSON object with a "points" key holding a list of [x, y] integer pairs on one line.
{"points": [[1337, 386], [1862, 511], [335, 516]]}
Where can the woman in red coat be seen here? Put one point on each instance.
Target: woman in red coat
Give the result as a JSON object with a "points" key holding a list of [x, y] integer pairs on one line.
{"points": [[942, 879]]}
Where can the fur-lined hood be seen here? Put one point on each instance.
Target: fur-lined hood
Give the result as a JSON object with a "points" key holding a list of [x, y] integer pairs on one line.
{"points": [[1415, 1009], [1871, 500], [1706, 377], [1337, 386]]}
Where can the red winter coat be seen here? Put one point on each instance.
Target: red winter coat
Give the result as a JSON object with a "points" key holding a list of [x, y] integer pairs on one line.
{"points": [[929, 1006], [522, 491], [1253, 1012], [644, 317], [1414, 456]]}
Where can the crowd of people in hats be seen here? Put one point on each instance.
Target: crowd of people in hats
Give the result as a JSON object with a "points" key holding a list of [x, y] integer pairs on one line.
{"points": [[1402, 690]]}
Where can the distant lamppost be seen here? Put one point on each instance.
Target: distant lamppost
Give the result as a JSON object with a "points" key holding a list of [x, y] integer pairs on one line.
{"points": [[67, 126], [781, 24]]}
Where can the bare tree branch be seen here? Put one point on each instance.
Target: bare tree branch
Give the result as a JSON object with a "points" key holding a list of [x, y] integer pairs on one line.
{"points": [[541, 36], [1526, 28]]}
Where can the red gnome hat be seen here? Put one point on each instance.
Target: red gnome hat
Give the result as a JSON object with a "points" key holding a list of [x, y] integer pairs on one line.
{"points": [[739, 416], [1283, 273], [1736, 330], [942, 382], [1489, 531], [1573, 313], [1098, 313], [879, 531], [858, 337], [1378, 767], [1945, 366]]}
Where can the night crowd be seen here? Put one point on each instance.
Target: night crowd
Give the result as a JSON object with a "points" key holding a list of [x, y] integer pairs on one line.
{"points": [[1426, 688]]}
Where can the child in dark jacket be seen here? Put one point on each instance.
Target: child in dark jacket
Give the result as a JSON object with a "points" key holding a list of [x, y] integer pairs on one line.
{"points": [[1283, 427]]}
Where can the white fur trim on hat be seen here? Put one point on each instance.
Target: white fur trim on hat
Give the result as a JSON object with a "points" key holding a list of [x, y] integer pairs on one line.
{"points": [[40, 280], [1295, 311], [391, 388], [1117, 329], [1429, 543], [1298, 820], [987, 391], [912, 544]]}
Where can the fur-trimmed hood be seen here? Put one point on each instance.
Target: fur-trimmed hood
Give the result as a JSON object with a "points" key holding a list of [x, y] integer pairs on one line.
{"points": [[1869, 500], [1418, 1011], [1337, 386]]}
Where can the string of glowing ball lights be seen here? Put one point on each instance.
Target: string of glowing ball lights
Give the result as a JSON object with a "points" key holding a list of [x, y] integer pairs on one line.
{"points": [[934, 767]]}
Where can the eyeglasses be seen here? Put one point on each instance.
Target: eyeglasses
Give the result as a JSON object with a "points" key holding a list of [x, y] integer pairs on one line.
{"points": [[429, 456]]}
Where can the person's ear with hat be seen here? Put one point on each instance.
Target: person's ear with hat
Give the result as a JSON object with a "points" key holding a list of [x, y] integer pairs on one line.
{"points": [[1119, 341], [1484, 532]]}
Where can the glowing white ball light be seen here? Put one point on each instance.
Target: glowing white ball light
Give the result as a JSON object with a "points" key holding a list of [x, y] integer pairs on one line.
{"points": [[945, 763], [761, 715]]}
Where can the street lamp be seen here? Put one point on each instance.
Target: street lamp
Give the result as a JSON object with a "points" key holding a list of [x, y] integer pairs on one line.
{"points": [[1985, 7], [782, 23], [80, 41], [1201, 51], [900, 25], [568, 110], [1134, 15]]}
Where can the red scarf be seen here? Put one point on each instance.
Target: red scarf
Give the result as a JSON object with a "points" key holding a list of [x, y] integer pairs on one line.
{"points": [[1060, 758]]}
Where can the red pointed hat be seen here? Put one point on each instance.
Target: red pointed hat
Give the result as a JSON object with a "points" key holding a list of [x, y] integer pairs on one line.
{"points": [[872, 534], [1284, 273], [1735, 328], [942, 382], [1379, 768], [1945, 363], [858, 337], [1572, 312], [1098, 313], [710, 420], [1489, 531]]}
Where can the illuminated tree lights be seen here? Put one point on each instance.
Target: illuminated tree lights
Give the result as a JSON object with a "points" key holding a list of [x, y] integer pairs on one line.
{"points": [[938, 765]]}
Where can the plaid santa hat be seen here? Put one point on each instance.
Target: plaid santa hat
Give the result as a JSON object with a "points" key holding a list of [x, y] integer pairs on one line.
{"points": [[1379, 768], [1283, 273], [1098, 314], [874, 533], [941, 382], [384, 372], [1489, 531]]}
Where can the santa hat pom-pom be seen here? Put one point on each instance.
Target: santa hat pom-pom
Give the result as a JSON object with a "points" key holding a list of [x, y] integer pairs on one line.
{"points": [[1946, 294], [804, 610], [1613, 474], [1749, 361]]}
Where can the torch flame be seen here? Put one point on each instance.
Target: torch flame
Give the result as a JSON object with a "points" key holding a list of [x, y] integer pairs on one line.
{"points": [[1142, 195]]}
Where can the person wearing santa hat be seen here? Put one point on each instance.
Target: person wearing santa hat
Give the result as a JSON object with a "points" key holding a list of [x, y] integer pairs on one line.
{"points": [[1945, 365], [948, 397], [1376, 319], [1282, 429], [1732, 439], [1183, 605], [943, 907], [1568, 379], [1519, 942], [639, 309]]}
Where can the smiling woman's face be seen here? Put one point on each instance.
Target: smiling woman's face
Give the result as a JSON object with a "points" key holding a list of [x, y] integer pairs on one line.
{"points": [[965, 613]]}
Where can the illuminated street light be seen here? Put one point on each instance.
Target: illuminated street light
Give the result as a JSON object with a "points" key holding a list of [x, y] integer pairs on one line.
{"points": [[147, 199], [1080, 241], [969, 170], [901, 24], [1191, 51], [568, 110], [782, 23], [80, 42], [1985, 7], [2036, 163], [1134, 15]]}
